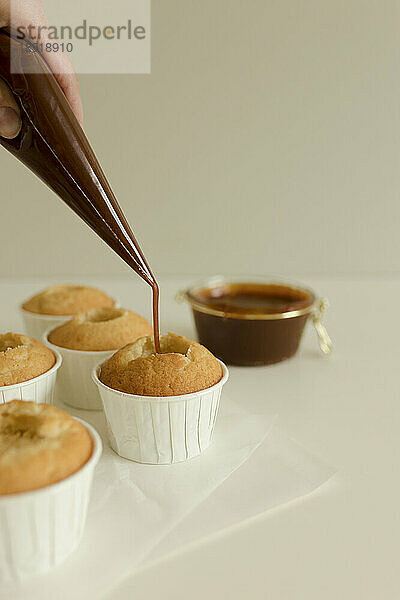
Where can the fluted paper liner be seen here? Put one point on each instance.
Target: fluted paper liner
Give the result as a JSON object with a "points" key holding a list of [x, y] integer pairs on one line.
{"points": [[74, 383], [36, 325], [40, 389], [41, 528], [160, 430]]}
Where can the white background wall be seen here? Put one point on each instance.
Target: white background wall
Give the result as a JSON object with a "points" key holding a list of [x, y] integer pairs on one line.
{"points": [[265, 140]]}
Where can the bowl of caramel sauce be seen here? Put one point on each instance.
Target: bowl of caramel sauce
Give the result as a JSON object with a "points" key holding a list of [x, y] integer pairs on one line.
{"points": [[250, 322]]}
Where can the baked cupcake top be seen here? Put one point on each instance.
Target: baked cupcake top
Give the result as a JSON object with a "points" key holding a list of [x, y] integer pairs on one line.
{"points": [[100, 329], [182, 367], [39, 445], [22, 358], [67, 300]]}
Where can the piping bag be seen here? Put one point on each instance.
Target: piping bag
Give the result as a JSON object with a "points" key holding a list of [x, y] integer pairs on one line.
{"points": [[53, 145]]}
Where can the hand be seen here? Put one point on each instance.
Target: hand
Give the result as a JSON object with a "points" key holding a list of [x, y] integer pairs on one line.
{"points": [[25, 13], [10, 120]]}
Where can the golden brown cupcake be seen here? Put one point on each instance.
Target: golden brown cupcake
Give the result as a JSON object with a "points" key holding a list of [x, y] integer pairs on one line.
{"points": [[182, 367], [66, 300], [39, 445], [22, 358], [100, 329]]}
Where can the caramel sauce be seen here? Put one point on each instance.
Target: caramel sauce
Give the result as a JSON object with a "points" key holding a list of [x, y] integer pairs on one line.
{"points": [[53, 145], [156, 317], [250, 323], [252, 298]]}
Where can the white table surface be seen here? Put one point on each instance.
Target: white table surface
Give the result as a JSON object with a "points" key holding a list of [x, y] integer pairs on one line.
{"points": [[342, 542]]}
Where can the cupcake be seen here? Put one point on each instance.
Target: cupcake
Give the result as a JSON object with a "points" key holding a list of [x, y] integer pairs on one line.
{"points": [[84, 341], [161, 408], [47, 460], [57, 304], [28, 369]]}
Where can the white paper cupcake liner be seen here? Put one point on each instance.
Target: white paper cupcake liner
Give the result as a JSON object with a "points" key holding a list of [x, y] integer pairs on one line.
{"points": [[160, 430], [41, 528], [74, 383], [40, 389], [36, 325]]}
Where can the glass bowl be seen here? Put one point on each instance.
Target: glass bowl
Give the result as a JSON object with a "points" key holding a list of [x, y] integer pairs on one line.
{"points": [[254, 321]]}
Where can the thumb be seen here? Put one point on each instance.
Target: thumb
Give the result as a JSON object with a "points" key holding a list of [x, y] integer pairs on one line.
{"points": [[10, 119]]}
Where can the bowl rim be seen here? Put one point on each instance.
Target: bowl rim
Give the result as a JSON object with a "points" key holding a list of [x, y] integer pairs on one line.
{"points": [[53, 487], [161, 399], [216, 280], [52, 369]]}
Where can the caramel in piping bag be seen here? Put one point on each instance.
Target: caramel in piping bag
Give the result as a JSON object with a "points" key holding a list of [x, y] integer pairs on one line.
{"points": [[53, 145]]}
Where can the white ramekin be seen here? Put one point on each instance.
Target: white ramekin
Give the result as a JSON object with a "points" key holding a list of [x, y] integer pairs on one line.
{"points": [[160, 430], [36, 324], [41, 528], [74, 383], [40, 389]]}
